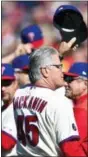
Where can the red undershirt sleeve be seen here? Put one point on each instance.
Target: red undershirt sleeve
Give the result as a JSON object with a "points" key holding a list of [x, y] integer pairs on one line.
{"points": [[73, 148], [8, 142]]}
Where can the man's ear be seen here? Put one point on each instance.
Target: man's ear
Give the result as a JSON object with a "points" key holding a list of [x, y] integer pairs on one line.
{"points": [[45, 72], [16, 84]]}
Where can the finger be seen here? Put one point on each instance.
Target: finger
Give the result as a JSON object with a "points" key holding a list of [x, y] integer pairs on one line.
{"points": [[75, 47], [71, 42]]}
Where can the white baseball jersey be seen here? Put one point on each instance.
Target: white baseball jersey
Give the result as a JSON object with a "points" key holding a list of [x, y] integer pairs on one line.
{"points": [[60, 91], [9, 127], [44, 121]]}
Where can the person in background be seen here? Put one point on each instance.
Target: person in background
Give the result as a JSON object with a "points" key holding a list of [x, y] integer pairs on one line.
{"points": [[32, 34], [77, 90], [31, 38], [21, 68], [9, 86]]}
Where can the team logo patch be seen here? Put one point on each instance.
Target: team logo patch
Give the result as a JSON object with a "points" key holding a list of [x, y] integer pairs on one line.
{"points": [[74, 127], [31, 35], [2, 70]]}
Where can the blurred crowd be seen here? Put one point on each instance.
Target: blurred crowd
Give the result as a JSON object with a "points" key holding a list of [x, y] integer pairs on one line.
{"points": [[18, 14], [44, 70]]}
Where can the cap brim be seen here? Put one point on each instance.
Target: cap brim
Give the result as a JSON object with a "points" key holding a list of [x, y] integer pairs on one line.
{"points": [[25, 68], [7, 78], [38, 43], [70, 74]]}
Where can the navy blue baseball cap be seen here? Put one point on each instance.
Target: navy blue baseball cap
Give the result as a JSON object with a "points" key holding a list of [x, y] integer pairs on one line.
{"points": [[78, 69], [21, 63], [7, 72], [69, 21], [66, 14], [32, 34]]}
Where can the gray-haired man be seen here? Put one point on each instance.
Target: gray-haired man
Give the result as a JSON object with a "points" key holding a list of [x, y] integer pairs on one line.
{"points": [[44, 121]]}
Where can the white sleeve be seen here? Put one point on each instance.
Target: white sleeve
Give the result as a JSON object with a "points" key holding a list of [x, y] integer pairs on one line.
{"points": [[65, 125], [8, 122]]}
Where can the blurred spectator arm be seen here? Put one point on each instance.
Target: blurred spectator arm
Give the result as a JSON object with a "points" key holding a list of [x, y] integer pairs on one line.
{"points": [[21, 49], [9, 58]]}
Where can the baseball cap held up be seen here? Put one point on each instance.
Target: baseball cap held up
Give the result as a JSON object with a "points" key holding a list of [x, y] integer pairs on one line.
{"points": [[69, 21], [32, 34]]}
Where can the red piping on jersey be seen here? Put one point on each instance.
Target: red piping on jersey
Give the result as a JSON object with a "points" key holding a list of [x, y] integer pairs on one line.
{"points": [[42, 87], [34, 86], [7, 142]]}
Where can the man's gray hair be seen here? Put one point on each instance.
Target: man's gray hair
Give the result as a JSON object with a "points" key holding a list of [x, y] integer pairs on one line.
{"points": [[41, 57]]}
